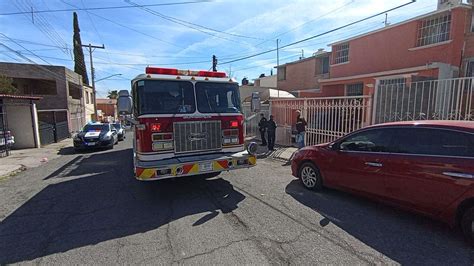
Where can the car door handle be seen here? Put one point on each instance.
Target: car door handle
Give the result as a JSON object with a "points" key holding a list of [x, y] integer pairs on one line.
{"points": [[373, 164], [458, 175]]}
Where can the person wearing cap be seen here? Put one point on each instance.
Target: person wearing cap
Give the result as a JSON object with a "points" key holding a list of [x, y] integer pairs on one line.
{"points": [[262, 127], [300, 128], [271, 129]]}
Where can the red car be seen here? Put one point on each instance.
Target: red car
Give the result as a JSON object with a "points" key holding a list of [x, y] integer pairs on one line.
{"points": [[421, 166]]}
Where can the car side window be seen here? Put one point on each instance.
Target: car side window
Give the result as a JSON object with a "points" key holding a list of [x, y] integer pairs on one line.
{"points": [[374, 140], [433, 141]]}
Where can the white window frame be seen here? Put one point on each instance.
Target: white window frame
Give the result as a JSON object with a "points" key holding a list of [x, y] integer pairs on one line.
{"points": [[341, 53], [433, 30]]}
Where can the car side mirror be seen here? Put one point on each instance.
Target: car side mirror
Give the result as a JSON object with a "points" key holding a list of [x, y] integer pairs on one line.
{"points": [[334, 146]]}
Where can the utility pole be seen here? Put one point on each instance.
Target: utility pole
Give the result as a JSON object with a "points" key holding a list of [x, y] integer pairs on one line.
{"points": [[90, 46], [278, 53], [214, 63]]}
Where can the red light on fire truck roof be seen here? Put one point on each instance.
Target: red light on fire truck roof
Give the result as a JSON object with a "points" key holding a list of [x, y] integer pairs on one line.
{"points": [[212, 74], [177, 72], [161, 70], [155, 127]]}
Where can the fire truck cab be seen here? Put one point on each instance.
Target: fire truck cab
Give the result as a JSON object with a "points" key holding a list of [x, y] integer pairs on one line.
{"points": [[185, 123]]}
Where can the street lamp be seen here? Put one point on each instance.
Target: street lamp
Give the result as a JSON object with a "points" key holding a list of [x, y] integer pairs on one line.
{"points": [[108, 77]]}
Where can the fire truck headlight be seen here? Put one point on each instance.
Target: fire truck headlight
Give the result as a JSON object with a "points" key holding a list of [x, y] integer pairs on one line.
{"points": [[252, 148]]}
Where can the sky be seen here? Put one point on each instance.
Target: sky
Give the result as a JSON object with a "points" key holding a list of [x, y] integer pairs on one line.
{"points": [[184, 34]]}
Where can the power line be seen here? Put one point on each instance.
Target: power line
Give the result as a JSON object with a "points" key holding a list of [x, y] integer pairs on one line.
{"points": [[130, 28], [43, 25], [307, 22], [176, 20], [23, 48], [101, 8], [191, 25], [318, 35]]}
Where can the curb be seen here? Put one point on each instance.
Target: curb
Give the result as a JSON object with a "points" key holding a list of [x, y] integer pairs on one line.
{"points": [[20, 168]]}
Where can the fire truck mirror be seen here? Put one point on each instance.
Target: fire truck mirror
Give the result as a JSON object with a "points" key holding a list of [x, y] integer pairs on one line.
{"points": [[124, 103], [255, 102]]}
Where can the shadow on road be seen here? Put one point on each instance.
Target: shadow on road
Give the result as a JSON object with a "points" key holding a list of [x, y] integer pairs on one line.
{"points": [[100, 200], [404, 237]]}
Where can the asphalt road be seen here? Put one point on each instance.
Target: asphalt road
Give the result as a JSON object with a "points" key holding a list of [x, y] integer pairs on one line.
{"points": [[87, 209]]}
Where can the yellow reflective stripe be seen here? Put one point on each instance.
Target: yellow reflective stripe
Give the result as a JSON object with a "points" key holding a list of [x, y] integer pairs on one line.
{"points": [[147, 173], [253, 160], [217, 166], [194, 169]]}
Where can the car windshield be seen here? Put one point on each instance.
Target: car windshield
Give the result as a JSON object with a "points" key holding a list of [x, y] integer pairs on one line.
{"points": [[96, 128], [117, 126], [165, 97], [217, 97]]}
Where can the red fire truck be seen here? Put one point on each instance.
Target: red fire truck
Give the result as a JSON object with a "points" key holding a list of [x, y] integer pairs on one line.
{"points": [[185, 123]]}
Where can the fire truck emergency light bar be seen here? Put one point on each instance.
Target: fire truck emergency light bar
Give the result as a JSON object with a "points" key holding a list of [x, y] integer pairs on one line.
{"points": [[178, 72]]}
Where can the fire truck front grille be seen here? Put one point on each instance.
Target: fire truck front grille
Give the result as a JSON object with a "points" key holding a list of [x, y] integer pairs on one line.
{"points": [[197, 136]]}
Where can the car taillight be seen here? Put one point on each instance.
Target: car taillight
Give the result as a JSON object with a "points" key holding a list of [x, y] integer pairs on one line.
{"points": [[230, 137], [234, 123]]}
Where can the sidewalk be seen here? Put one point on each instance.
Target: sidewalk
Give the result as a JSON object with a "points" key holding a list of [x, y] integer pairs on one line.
{"points": [[282, 153], [20, 160]]}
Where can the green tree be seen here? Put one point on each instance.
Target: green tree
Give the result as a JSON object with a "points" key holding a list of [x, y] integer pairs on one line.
{"points": [[112, 94], [6, 86], [79, 63]]}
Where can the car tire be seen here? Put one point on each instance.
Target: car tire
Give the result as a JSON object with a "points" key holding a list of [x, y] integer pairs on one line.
{"points": [[467, 225], [111, 146], [310, 176]]}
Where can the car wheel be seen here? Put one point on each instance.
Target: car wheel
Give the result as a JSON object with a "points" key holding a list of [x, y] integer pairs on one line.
{"points": [[467, 225], [310, 176]]}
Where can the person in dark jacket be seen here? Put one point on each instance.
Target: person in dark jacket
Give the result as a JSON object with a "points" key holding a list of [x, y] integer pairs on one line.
{"points": [[301, 129], [262, 127], [271, 129]]}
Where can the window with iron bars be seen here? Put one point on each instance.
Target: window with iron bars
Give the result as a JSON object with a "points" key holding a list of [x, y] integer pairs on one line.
{"points": [[356, 89], [395, 81], [434, 30], [341, 53]]}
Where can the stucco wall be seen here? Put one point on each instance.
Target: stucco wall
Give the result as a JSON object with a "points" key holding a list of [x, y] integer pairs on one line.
{"points": [[392, 49], [20, 124]]}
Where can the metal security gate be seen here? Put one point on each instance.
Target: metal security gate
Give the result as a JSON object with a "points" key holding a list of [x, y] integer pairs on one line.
{"points": [[448, 99], [328, 118], [4, 148], [46, 132], [252, 119], [53, 126]]}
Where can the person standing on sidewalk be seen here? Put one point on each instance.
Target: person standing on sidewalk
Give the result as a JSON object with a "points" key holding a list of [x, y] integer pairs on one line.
{"points": [[301, 129], [262, 127], [271, 129]]}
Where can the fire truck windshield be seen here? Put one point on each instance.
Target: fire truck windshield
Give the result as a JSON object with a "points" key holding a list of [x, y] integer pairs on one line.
{"points": [[217, 97], [174, 96], [165, 97]]}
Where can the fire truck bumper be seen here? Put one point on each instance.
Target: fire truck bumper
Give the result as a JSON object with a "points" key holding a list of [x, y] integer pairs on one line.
{"points": [[192, 165]]}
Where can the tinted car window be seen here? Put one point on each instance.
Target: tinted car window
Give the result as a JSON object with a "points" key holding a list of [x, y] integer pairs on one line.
{"points": [[431, 141], [375, 140]]}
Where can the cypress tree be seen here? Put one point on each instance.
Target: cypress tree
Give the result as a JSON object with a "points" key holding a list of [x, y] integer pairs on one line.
{"points": [[79, 63]]}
